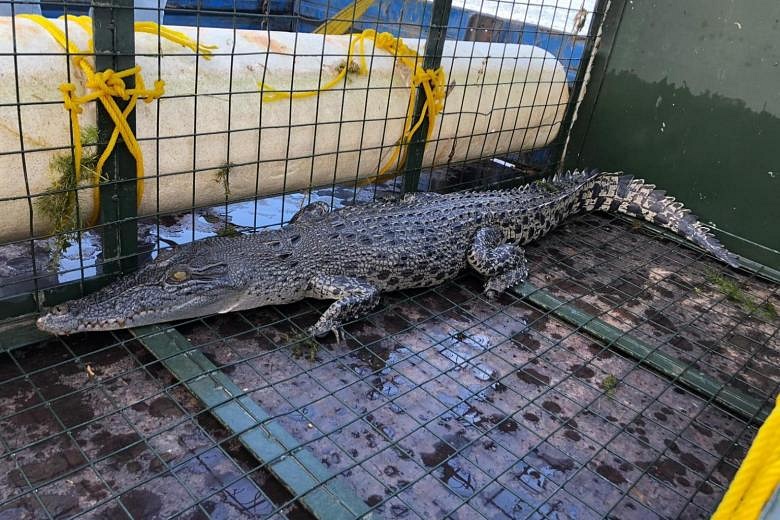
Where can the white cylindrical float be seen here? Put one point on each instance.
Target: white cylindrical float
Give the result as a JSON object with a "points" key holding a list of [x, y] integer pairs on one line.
{"points": [[501, 98]]}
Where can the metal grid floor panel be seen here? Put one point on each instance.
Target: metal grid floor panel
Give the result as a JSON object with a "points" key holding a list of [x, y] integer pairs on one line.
{"points": [[443, 384], [103, 441], [666, 296], [440, 404]]}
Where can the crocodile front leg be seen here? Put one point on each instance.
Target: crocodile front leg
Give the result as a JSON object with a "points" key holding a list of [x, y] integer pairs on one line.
{"points": [[354, 299], [503, 264]]}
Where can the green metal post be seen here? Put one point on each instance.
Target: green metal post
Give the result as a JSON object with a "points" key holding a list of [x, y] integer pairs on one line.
{"points": [[434, 46], [583, 73], [114, 39]]}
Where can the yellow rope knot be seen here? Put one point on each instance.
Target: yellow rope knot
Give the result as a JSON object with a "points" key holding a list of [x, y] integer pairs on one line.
{"points": [[433, 82], [106, 86], [68, 89], [110, 83]]}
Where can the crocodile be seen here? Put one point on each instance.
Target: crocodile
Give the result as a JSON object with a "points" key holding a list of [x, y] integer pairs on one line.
{"points": [[353, 254]]}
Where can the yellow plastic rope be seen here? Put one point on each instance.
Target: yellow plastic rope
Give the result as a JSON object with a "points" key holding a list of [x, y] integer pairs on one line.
{"points": [[105, 86], [341, 22], [757, 477], [176, 37], [432, 81]]}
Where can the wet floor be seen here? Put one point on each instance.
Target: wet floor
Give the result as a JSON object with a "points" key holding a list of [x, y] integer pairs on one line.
{"points": [[439, 405], [95, 427]]}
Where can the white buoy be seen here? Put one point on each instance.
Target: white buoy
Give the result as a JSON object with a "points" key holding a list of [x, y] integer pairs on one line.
{"points": [[501, 99]]}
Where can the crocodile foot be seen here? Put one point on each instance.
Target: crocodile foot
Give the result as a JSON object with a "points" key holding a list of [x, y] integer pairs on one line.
{"points": [[304, 345], [324, 327]]}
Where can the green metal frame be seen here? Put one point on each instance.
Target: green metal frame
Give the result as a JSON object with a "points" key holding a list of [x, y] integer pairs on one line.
{"points": [[745, 406], [434, 46], [114, 41], [264, 437], [678, 112]]}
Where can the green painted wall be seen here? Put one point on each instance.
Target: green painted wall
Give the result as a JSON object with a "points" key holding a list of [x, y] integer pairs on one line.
{"points": [[686, 94]]}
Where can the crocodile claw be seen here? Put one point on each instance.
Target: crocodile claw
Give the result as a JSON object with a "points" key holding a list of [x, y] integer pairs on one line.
{"points": [[320, 330], [491, 294], [304, 345]]}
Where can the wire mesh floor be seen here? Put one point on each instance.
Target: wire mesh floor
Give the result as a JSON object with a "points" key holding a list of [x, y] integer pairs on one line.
{"points": [[439, 405]]}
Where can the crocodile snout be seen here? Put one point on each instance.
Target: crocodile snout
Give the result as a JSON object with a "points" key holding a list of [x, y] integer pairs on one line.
{"points": [[62, 320], [58, 321]]}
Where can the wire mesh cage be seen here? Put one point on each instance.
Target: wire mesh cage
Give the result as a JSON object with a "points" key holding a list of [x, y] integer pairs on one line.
{"points": [[61, 228], [626, 380]]}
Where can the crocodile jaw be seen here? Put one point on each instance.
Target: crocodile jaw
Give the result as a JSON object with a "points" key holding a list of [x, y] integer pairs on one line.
{"points": [[73, 318], [134, 309], [134, 301], [68, 324], [90, 314]]}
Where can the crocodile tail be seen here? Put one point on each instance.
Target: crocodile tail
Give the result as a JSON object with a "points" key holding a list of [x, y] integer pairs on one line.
{"points": [[616, 192]]}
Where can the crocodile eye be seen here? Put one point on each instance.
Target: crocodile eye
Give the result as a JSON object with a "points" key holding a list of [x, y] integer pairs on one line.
{"points": [[179, 276]]}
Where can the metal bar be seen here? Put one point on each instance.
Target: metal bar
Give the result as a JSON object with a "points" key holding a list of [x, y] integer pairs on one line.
{"points": [[758, 269], [580, 127], [266, 439], [114, 38], [583, 71], [20, 332], [742, 404], [434, 46]]}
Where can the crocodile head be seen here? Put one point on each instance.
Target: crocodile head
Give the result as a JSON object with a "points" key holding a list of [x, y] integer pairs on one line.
{"points": [[193, 280]]}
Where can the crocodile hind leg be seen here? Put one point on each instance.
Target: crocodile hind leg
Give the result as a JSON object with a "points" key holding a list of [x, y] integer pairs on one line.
{"points": [[354, 299], [503, 264]]}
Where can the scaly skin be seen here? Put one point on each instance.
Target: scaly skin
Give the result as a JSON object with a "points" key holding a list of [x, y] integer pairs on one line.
{"points": [[354, 254]]}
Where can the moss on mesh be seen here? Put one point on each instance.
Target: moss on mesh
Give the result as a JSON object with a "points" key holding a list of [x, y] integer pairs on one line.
{"points": [[733, 292], [60, 202], [229, 230], [546, 186], [609, 384], [223, 177]]}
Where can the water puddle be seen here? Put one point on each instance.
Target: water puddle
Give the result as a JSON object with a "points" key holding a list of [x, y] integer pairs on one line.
{"points": [[448, 469]]}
